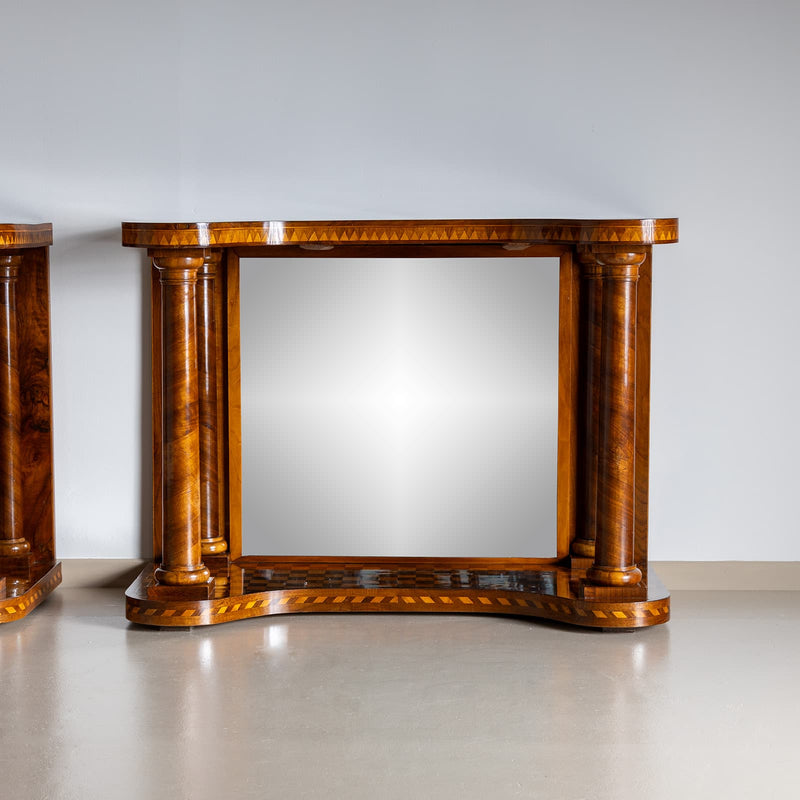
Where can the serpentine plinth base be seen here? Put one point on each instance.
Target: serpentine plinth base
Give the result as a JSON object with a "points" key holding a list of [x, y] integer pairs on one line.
{"points": [[258, 586], [24, 589]]}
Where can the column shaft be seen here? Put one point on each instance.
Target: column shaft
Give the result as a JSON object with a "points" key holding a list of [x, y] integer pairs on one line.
{"points": [[181, 560], [614, 545], [592, 292], [211, 540], [12, 537]]}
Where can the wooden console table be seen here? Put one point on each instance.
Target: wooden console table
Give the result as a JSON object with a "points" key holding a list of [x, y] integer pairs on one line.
{"points": [[599, 577], [28, 569]]}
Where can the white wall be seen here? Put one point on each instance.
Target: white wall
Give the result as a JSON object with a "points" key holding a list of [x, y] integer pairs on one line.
{"points": [[242, 110]]}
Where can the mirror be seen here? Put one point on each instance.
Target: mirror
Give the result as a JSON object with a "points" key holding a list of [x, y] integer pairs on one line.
{"points": [[399, 407]]}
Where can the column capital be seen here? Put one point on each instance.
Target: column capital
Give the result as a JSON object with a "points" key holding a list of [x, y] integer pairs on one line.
{"points": [[9, 265], [611, 261], [170, 262], [211, 261]]}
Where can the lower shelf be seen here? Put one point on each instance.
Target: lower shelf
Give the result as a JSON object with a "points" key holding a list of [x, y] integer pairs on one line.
{"points": [[257, 586], [24, 591]]}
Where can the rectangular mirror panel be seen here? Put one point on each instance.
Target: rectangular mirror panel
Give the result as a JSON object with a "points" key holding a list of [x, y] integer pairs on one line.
{"points": [[399, 407]]}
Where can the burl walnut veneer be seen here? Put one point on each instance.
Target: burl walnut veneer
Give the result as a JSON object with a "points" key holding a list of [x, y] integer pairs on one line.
{"points": [[599, 577], [28, 569]]}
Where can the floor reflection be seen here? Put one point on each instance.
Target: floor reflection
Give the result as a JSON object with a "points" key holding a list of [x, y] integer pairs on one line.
{"points": [[448, 705]]}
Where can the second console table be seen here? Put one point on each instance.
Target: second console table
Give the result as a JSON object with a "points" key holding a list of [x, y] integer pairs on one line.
{"points": [[28, 569], [599, 577]]}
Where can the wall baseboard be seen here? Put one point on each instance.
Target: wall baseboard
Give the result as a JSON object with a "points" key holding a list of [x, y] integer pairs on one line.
{"points": [[729, 575], [99, 573], [676, 575]]}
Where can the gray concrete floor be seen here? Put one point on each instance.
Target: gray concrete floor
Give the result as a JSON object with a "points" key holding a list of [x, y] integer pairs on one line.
{"points": [[399, 706]]}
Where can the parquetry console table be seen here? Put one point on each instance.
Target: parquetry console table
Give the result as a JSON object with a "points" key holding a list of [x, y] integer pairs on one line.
{"points": [[28, 569], [599, 577]]}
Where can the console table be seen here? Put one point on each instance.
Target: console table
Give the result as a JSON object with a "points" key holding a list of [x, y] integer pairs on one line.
{"points": [[599, 577], [28, 569]]}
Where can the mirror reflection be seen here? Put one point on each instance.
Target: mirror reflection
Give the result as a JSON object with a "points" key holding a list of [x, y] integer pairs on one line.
{"points": [[400, 407]]}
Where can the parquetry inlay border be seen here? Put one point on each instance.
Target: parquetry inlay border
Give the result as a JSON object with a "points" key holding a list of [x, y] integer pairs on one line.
{"points": [[12, 608], [289, 601]]}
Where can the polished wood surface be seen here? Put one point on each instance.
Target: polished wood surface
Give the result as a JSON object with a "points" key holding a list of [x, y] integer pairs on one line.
{"points": [[599, 575], [231, 383], [181, 563], [28, 570], [568, 425], [22, 589], [383, 233], [267, 586], [583, 546], [618, 273], [24, 236], [211, 539], [642, 466], [12, 539]]}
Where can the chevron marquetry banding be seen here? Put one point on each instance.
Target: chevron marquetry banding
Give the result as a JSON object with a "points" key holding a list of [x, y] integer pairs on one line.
{"points": [[20, 236], [400, 232], [13, 608]]}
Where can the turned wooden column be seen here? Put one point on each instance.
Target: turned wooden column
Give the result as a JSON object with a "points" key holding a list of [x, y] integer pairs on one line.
{"points": [[583, 545], [212, 542], [618, 271], [12, 538], [181, 560]]}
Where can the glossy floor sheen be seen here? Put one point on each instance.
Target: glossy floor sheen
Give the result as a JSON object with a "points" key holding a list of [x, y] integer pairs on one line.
{"points": [[385, 706]]}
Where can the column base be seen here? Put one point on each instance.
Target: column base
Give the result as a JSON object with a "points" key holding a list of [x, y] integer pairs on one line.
{"points": [[10, 548], [611, 594], [581, 564], [19, 566], [217, 563], [182, 577], [583, 548], [194, 591], [211, 547], [613, 576]]}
